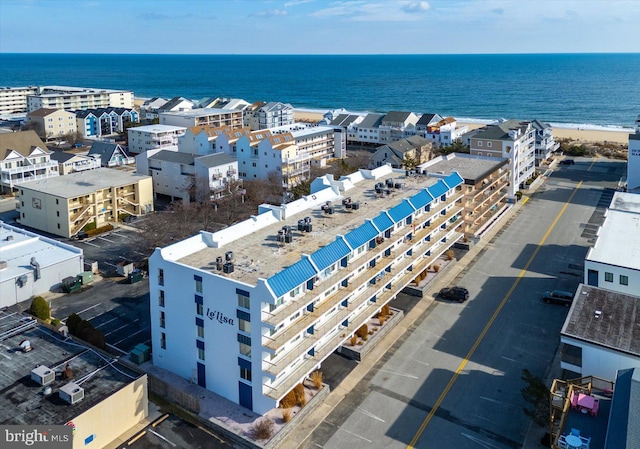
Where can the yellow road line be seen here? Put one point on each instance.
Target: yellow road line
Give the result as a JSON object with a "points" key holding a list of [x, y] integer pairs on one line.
{"points": [[462, 365], [524, 201], [595, 158]]}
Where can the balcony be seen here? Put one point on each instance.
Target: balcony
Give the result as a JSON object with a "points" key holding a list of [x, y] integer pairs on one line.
{"points": [[285, 311], [383, 295]]}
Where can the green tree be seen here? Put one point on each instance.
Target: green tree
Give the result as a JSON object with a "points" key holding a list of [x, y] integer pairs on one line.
{"points": [[456, 147], [72, 323], [39, 308], [535, 393]]}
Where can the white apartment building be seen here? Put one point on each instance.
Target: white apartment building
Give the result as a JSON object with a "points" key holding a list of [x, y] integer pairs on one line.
{"points": [[51, 124], [271, 115], [545, 143], [216, 175], [513, 140], [397, 125], [250, 311], [368, 130], [73, 98], [13, 100], [24, 157], [201, 140], [614, 260], [203, 117], [154, 137], [598, 337], [445, 131], [633, 161]]}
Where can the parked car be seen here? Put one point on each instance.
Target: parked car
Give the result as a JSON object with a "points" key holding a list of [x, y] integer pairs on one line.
{"points": [[558, 297], [459, 294], [567, 162]]}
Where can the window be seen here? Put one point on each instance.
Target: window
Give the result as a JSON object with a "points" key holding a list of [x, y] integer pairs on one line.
{"points": [[244, 343], [624, 280], [198, 281], [160, 276], [245, 373], [243, 301], [608, 277], [244, 326], [161, 298], [200, 354], [163, 340], [199, 309], [572, 354], [162, 319], [488, 144], [200, 331], [479, 143]]}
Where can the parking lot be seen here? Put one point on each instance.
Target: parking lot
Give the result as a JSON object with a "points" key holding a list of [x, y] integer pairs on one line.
{"points": [[119, 310]]}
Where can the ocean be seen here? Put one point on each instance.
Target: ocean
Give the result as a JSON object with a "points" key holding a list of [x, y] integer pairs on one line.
{"points": [[582, 90]]}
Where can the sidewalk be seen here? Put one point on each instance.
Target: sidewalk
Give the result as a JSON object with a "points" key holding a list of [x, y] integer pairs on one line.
{"points": [[295, 439]]}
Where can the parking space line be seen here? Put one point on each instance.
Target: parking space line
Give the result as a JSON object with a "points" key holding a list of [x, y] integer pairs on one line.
{"points": [[88, 308], [104, 238], [116, 330], [89, 243], [129, 336], [160, 436], [106, 322]]}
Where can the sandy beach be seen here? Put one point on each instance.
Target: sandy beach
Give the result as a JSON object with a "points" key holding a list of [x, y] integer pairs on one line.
{"points": [[582, 135]]}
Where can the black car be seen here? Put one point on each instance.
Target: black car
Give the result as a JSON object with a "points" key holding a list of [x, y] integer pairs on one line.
{"points": [[567, 162], [459, 294], [558, 297]]}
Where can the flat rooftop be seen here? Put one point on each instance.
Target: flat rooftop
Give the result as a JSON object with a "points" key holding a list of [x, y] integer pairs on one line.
{"points": [[258, 253], [615, 327], [154, 129], [22, 400], [202, 112], [618, 241], [470, 167], [18, 246], [84, 182]]}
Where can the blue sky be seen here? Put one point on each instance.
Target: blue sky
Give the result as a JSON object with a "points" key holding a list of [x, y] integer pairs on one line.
{"points": [[319, 26]]}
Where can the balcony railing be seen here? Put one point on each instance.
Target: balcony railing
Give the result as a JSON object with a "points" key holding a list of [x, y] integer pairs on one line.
{"points": [[383, 295], [285, 311]]}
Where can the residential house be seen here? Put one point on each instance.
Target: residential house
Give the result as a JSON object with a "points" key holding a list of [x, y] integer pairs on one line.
{"points": [[203, 117], [289, 311], [404, 154], [173, 174], [176, 104], [65, 205], [74, 98], [396, 125], [149, 109], [510, 139], [485, 187], [110, 154], [52, 124], [613, 262], [271, 115], [545, 144], [369, 129], [345, 127], [216, 175], [445, 132], [633, 160], [13, 100], [24, 157], [426, 120], [154, 137], [201, 140], [74, 162]]}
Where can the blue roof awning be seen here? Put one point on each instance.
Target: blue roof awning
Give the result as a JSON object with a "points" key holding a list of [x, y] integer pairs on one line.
{"points": [[438, 189], [421, 199], [453, 180], [330, 254], [401, 211], [383, 222], [361, 235], [291, 277]]}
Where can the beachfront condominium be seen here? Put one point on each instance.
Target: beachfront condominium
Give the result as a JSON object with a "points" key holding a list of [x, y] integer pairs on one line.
{"points": [[13, 100], [270, 115], [203, 117], [75, 98], [633, 161], [154, 137], [545, 143], [250, 311], [513, 140]]}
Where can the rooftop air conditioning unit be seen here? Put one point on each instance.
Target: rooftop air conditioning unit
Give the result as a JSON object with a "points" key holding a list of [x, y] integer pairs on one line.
{"points": [[71, 393], [43, 375]]}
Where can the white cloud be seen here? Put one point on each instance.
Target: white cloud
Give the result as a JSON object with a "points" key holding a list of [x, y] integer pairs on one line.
{"points": [[297, 2], [416, 7], [374, 11], [270, 13]]}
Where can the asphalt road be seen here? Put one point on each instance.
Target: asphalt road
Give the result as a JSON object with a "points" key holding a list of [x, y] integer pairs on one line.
{"points": [[453, 380]]}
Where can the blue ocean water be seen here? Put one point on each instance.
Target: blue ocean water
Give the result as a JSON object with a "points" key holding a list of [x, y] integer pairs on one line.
{"points": [[599, 89]]}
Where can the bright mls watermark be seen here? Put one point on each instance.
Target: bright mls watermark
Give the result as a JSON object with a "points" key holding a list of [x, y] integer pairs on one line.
{"points": [[36, 437]]}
